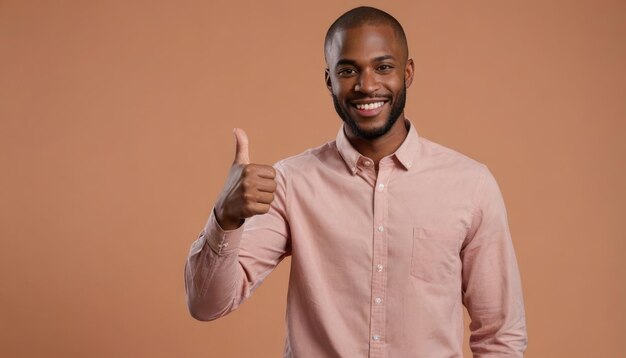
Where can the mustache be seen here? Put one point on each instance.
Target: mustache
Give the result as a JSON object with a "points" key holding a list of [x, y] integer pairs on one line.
{"points": [[370, 96]]}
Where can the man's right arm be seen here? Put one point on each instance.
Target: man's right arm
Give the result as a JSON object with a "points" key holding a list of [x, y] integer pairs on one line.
{"points": [[230, 259], [211, 271]]}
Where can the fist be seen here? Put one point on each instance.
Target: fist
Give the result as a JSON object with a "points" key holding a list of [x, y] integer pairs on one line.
{"points": [[249, 189]]}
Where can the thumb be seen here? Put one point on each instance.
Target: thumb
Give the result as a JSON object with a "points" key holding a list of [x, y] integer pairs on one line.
{"points": [[241, 151]]}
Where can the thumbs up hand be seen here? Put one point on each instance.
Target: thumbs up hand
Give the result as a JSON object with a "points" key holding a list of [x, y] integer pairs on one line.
{"points": [[249, 189]]}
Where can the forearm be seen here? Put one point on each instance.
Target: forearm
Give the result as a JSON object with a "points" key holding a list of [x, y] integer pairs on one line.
{"points": [[213, 275], [498, 328]]}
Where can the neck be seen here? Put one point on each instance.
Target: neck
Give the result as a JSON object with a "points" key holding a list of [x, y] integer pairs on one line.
{"points": [[378, 148]]}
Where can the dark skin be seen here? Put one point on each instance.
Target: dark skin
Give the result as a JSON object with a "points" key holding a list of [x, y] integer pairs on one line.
{"points": [[249, 188], [368, 64]]}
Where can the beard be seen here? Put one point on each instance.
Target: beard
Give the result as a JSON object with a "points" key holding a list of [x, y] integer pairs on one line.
{"points": [[396, 110]]}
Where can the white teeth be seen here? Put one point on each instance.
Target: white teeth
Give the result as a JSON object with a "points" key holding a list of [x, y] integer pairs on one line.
{"points": [[369, 106]]}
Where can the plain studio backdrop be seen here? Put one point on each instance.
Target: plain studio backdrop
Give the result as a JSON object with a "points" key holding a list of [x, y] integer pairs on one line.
{"points": [[116, 137]]}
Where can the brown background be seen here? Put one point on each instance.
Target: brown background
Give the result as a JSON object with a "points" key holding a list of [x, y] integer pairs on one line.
{"points": [[116, 121]]}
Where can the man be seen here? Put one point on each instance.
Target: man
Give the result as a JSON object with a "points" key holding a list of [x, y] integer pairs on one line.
{"points": [[389, 233]]}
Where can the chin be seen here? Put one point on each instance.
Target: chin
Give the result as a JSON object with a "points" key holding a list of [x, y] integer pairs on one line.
{"points": [[369, 127], [368, 131]]}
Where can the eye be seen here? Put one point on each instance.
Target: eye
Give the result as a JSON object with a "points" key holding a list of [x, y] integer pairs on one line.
{"points": [[346, 72], [384, 68]]}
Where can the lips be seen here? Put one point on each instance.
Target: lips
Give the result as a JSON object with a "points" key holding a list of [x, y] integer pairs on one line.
{"points": [[369, 108]]}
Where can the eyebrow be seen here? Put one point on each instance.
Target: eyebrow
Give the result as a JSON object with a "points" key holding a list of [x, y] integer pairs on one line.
{"points": [[345, 61]]}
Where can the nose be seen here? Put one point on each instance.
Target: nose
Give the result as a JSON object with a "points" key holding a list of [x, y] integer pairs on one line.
{"points": [[367, 82]]}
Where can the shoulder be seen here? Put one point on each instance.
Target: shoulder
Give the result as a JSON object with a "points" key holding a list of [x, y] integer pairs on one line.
{"points": [[309, 158], [442, 157], [459, 170]]}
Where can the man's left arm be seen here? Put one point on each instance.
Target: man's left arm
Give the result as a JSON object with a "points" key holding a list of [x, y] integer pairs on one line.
{"points": [[492, 290]]}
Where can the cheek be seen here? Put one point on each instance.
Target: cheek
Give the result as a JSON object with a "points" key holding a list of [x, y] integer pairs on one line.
{"points": [[341, 88], [396, 84]]}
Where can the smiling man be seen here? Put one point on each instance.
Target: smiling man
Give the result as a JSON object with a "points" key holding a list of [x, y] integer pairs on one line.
{"points": [[389, 233]]}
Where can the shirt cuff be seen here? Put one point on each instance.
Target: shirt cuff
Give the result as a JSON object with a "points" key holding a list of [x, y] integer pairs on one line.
{"points": [[222, 242]]}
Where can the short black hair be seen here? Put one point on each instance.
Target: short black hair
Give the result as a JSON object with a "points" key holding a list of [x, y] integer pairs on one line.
{"points": [[365, 15]]}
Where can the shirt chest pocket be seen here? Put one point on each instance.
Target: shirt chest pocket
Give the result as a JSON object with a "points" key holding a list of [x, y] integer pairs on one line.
{"points": [[435, 257]]}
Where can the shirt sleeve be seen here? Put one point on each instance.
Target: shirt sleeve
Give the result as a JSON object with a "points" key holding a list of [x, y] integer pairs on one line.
{"points": [[492, 289], [224, 268]]}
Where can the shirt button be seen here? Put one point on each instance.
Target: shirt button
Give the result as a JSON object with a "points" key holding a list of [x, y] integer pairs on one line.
{"points": [[367, 163], [381, 228], [381, 186], [376, 337], [379, 268], [378, 300]]}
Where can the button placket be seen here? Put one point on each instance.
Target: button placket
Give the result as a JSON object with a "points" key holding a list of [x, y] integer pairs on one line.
{"points": [[379, 275]]}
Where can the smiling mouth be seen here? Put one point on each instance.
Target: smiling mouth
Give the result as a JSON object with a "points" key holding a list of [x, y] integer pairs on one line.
{"points": [[370, 109], [369, 106]]}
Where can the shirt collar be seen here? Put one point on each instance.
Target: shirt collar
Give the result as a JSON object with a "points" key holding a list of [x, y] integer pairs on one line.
{"points": [[405, 154]]}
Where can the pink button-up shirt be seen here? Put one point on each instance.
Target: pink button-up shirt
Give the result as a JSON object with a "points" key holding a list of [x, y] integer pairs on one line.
{"points": [[381, 263]]}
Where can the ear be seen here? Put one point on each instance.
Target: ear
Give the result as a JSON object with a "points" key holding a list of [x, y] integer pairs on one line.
{"points": [[329, 85], [409, 71]]}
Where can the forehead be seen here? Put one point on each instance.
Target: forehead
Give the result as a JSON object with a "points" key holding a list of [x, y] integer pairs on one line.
{"points": [[363, 43]]}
